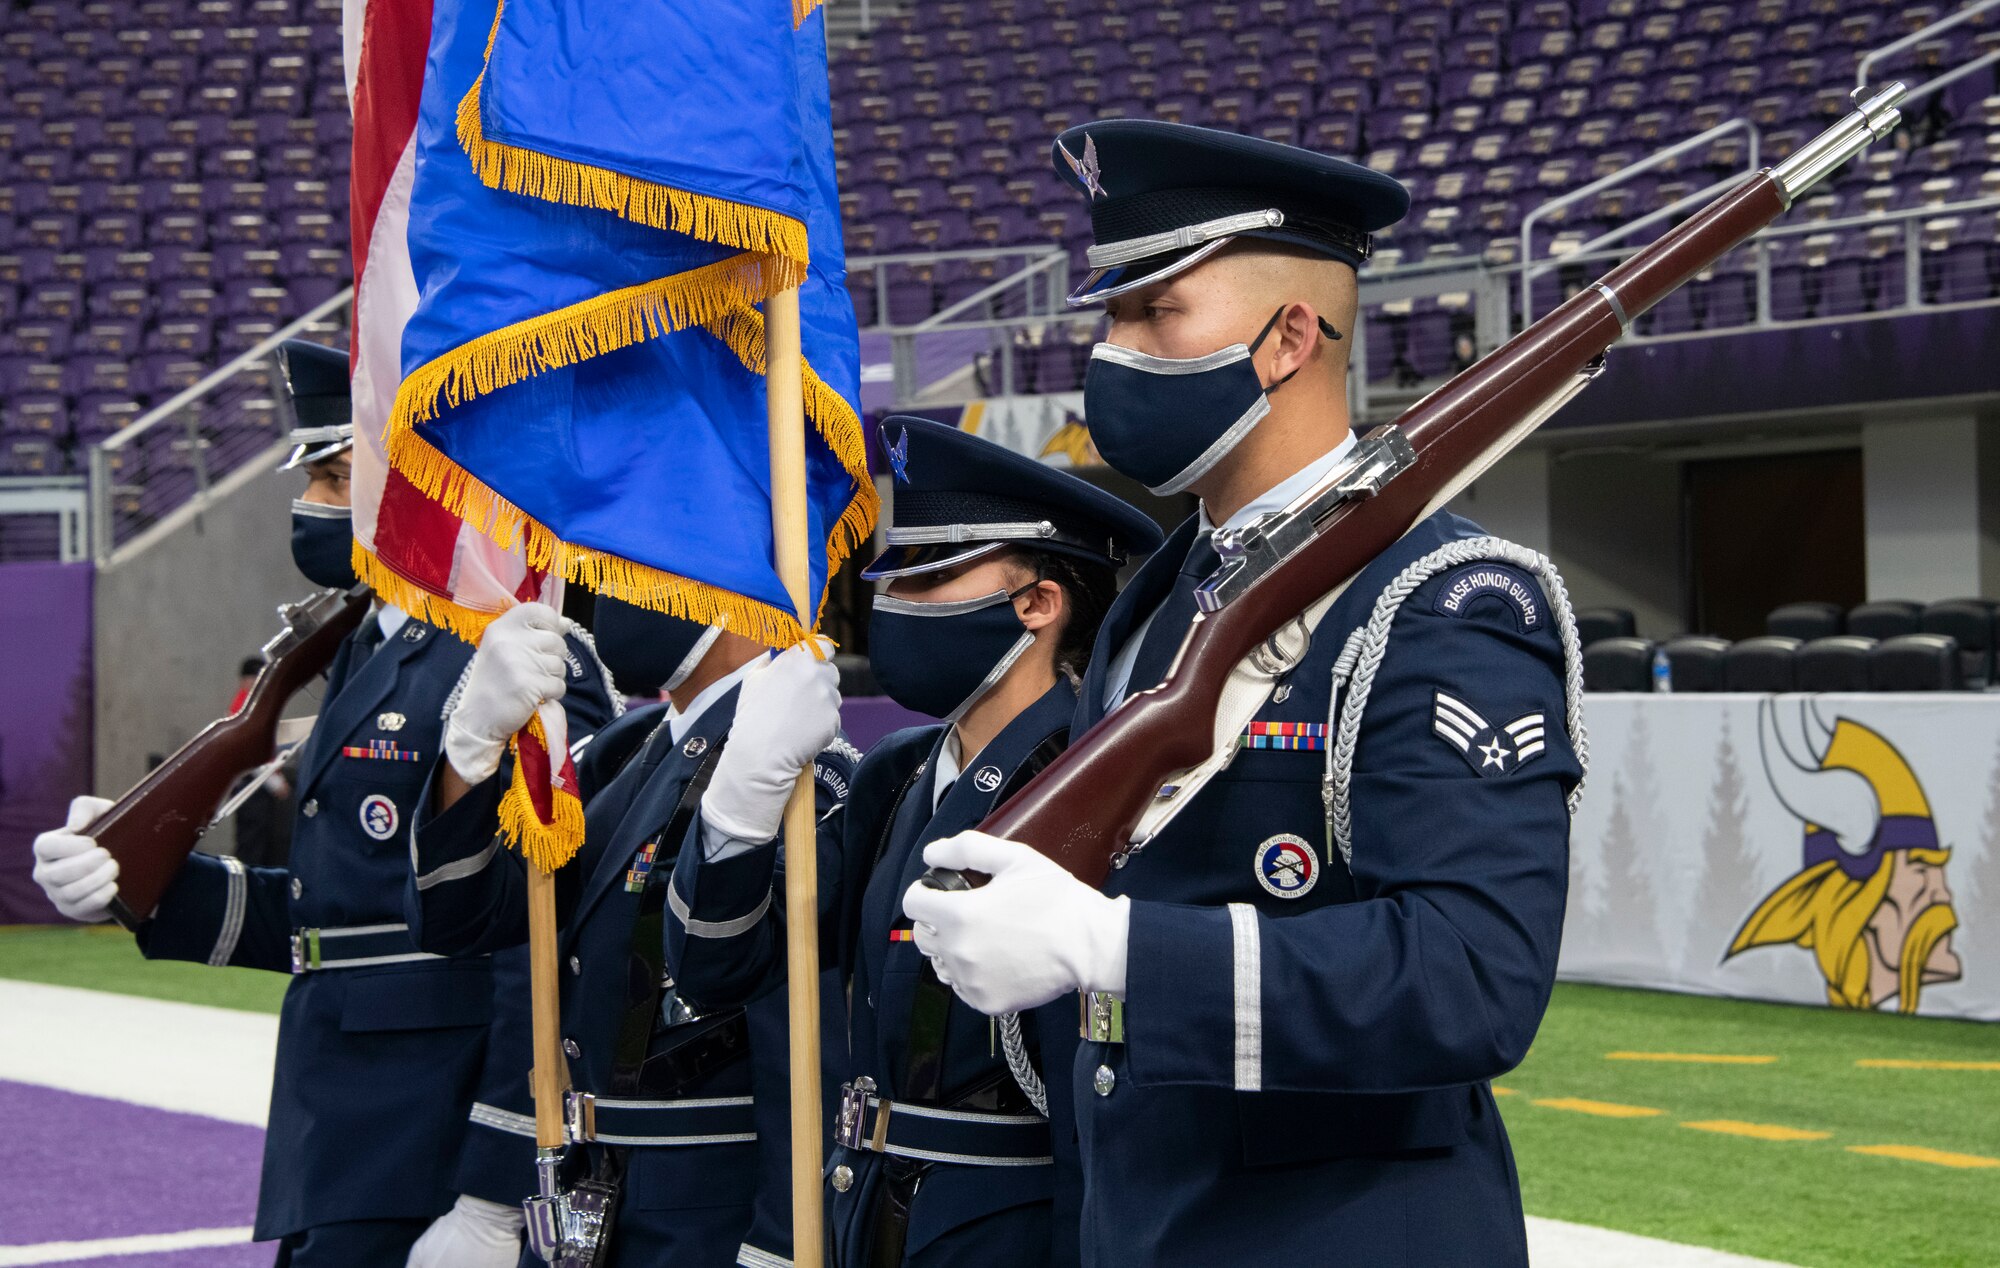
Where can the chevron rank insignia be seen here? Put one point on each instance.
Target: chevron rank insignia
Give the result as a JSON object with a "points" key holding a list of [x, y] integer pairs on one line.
{"points": [[1488, 749]]}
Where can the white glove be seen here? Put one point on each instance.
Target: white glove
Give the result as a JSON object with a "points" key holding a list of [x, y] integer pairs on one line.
{"points": [[787, 710], [1031, 934], [79, 875], [519, 665], [474, 1233]]}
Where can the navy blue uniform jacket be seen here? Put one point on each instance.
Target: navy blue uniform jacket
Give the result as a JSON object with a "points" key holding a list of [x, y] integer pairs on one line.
{"points": [[1309, 1039], [376, 1066], [692, 1204], [961, 1215]]}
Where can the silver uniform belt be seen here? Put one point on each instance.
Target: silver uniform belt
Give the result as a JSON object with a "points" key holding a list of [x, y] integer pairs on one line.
{"points": [[357, 946], [968, 1138], [617, 1120]]}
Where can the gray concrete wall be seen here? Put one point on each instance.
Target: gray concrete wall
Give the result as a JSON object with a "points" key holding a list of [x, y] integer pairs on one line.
{"points": [[174, 621], [1615, 525]]}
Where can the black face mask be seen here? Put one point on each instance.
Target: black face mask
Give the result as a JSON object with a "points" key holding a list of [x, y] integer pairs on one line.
{"points": [[938, 658], [1167, 421], [648, 652], [323, 543]]}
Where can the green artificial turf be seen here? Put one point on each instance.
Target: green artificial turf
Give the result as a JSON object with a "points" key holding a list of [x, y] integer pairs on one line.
{"points": [[1800, 1202], [104, 958]]}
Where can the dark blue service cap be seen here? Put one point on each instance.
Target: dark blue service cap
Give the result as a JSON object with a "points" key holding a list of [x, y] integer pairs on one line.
{"points": [[316, 379], [958, 497], [1165, 196]]}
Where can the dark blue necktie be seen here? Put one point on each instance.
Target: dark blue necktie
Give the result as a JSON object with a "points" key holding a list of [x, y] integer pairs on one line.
{"points": [[1171, 620]]}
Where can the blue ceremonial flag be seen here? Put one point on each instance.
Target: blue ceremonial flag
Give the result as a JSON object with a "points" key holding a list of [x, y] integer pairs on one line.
{"points": [[605, 192]]}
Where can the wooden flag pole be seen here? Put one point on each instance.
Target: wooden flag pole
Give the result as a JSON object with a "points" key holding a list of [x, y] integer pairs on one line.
{"points": [[550, 1076], [786, 416]]}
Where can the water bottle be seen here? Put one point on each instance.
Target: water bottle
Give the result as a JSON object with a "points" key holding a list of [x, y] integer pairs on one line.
{"points": [[1663, 673]]}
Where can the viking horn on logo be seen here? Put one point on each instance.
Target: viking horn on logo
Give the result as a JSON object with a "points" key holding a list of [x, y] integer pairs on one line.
{"points": [[1836, 800]]}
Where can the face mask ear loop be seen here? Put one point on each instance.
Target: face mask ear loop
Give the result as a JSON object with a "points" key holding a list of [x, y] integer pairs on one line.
{"points": [[1325, 327]]}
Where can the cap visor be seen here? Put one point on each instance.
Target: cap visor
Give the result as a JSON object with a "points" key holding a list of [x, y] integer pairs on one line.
{"points": [[904, 561], [1121, 279]]}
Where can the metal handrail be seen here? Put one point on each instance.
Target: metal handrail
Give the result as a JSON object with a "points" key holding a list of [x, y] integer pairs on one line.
{"points": [[1057, 263], [1632, 169], [124, 436], [960, 253], [1922, 33]]}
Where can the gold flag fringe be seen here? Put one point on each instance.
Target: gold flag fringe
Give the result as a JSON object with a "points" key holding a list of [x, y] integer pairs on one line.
{"points": [[544, 845], [533, 174], [505, 357], [803, 9], [614, 320]]}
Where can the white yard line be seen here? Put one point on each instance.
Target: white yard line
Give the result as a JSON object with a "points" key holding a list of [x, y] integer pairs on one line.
{"points": [[186, 1057], [105, 1247], [1555, 1244]]}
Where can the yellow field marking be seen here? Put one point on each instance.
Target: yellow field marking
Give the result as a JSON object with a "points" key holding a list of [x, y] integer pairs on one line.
{"points": [[1756, 1131], [1502, 1091], [1693, 1058], [1898, 1063], [1603, 1109], [1917, 1153]]}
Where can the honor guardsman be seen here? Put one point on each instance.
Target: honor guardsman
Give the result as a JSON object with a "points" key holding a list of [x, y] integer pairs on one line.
{"points": [[1294, 995]]}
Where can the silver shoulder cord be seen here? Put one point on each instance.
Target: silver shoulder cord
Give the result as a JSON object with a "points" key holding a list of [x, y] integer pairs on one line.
{"points": [[1019, 1066], [1361, 657]]}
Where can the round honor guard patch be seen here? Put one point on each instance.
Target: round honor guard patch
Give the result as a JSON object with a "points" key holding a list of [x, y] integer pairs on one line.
{"points": [[378, 816], [986, 778], [1287, 866]]}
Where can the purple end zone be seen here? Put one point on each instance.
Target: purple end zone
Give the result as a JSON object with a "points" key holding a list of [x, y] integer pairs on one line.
{"points": [[77, 1168]]}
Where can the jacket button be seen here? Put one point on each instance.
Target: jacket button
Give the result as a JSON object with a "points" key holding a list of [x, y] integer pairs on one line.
{"points": [[298, 888], [1103, 1081], [843, 1178], [311, 807], [570, 1049], [575, 966]]}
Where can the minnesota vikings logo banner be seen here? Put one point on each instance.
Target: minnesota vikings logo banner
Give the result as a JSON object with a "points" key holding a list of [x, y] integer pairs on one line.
{"points": [[1834, 850]]}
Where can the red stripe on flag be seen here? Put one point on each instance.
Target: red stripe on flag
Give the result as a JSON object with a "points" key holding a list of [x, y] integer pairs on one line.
{"points": [[388, 83], [416, 537], [534, 764]]}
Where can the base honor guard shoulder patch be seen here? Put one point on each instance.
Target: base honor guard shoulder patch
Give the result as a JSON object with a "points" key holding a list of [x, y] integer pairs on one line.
{"points": [[1287, 866], [1488, 749], [1472, 585]]}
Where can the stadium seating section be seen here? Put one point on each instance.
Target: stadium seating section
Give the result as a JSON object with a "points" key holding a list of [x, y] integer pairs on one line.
{"points": [[1485, 109], [173, 188], [173, 173], [1888, 645]]}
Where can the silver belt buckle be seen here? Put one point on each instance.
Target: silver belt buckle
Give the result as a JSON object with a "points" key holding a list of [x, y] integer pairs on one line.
{"points": [[305, 950], [850, 1130], [580, 1117], [1103, 1017]]}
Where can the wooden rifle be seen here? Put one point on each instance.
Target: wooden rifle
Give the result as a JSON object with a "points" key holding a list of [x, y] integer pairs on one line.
{"points": [[1127, 776], [153, 828]]}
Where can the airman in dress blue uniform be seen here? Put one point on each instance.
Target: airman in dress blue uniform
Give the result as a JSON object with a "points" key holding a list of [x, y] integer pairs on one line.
{"points": [[379, 1043], [1297, 991], [681, 1106], [645, 656], [946, 1152]]}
